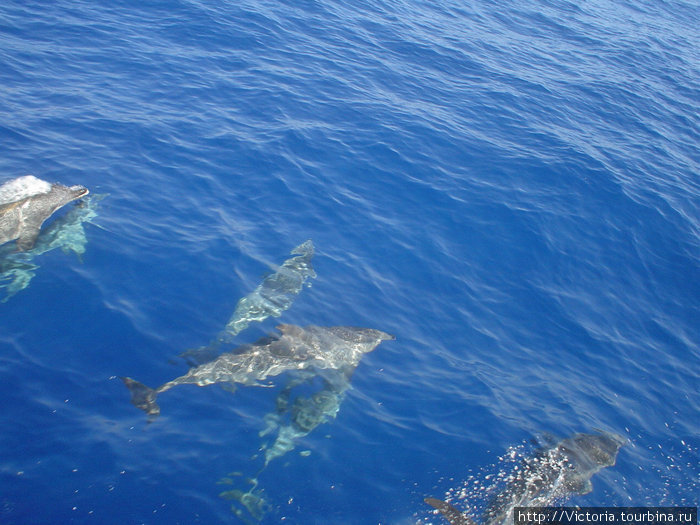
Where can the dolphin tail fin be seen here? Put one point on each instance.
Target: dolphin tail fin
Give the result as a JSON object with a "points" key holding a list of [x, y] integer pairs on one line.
{"points": [[143, 397], [450, 513]]}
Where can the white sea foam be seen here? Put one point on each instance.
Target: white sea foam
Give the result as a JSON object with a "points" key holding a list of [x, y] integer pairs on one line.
{"points": [[22, 187]]}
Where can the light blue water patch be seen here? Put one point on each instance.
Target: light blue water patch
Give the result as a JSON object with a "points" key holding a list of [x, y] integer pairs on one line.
{"points": [[510, 189]]}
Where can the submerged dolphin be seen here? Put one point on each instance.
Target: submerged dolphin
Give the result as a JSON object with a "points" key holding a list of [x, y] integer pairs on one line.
{"points": [[272, 297], [296, 415], [26, 202], [297, 348], [275, 294], [550, 475]]}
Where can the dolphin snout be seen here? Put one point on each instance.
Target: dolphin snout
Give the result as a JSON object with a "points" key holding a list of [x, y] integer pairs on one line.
{"points": [[80, 191]]}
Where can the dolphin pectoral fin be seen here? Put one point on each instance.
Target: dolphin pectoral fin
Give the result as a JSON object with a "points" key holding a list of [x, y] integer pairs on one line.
{"points": [[450, 513], [142, 397], [27, 239]]}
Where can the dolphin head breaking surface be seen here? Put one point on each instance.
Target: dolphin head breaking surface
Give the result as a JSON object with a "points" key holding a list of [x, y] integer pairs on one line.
{"points": [[550, 475], [296, 348], [17, 269], [26, 202]]}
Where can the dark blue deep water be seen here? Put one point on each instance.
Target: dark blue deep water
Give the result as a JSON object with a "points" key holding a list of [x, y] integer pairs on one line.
{"points": [[511, 188]]}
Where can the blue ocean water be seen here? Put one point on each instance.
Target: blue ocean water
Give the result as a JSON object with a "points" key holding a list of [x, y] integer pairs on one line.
{"points": [[510, 188]]}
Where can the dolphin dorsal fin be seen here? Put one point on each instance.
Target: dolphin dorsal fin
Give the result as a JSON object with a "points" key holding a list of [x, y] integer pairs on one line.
{"points": [[450, 513]]}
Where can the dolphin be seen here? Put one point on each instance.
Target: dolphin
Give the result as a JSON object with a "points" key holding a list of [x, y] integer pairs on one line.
{"points": [[297, 348], [26, 202], [17, 269], [296, 415], [551, 475], [273, 296]]}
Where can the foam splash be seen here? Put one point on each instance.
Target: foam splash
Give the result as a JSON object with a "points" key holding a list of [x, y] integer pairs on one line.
{"points": [[21, 188]]}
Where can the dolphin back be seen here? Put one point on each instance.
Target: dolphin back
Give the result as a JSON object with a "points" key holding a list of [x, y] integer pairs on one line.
{"points": [[555, 473]]}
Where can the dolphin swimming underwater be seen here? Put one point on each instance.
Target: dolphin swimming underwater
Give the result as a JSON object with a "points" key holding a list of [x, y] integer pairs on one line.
{"points": [[26, 202], [297, 413], [297, 348], [550, 475], [273, 296], [295, 419]]}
